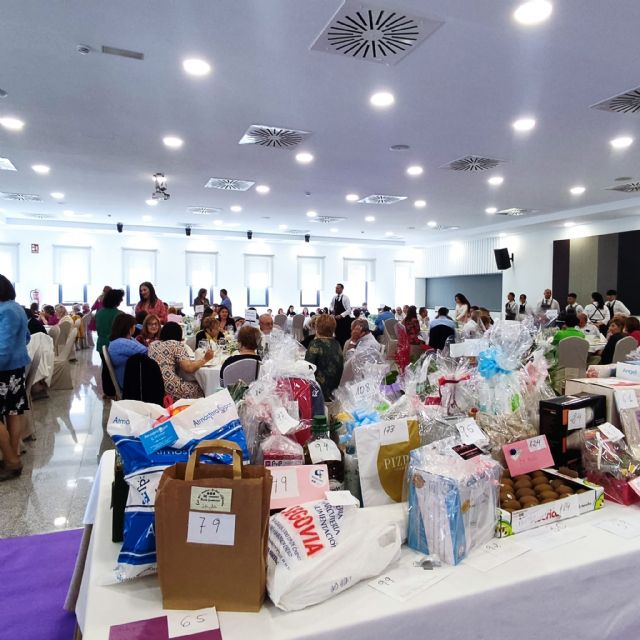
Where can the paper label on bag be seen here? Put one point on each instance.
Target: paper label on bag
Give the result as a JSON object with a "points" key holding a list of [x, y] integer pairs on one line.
{"points": [[494, 553], [536, 444], [394, 431], [613, 433], [210, 499], [163, 435], [404, 583], [342, 498], [323, 450], [212, 528], [528, 455], [297, 484], [283, 421], [362, 391], [470, 432], [620, 527], [285, 482], [187, 623], [626, 399], [577, 419]]}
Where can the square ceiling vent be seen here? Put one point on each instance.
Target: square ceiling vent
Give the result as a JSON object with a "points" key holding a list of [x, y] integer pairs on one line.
{"points": [[381, 199], [327, 219], [627, 102], [373, 33], [203, 211], [629, 187], [20, 197], [514, 212], [273, 137], [229, 184], [472, 163]]}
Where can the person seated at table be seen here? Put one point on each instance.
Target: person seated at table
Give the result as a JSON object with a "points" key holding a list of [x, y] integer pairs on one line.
{"points": [[150, 331], [305, 312], [248, 338], [632, 328], [588, 328], [170, 354], [474, 326], [291, 311], [239, 323], [173, 315], [34, 324], [122, 345], [210, 331], [266, 324], [226, 321], [139, 316], [412, 325], [443, 318], [361, 339], [48, 316], [208, 312], [63, 314], [280, 311], [201, 299], [616, 333], [423, 317], [150, 302], [569, 329], [386, 314], [325, 353]]}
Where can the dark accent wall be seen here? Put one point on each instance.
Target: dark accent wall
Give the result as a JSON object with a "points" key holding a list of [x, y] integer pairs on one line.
{"points": [[628, 287], [560, 277], [607, 273]]}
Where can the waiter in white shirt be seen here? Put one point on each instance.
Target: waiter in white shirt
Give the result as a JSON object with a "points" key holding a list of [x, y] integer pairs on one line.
{"points": [[547, 304], [616, 308], [340, 307]]}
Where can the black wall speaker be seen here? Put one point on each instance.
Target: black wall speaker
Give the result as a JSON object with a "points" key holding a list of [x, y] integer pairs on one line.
{"points": [[503, 259]]}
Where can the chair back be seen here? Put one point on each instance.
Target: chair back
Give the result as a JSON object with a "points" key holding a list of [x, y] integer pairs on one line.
{"points": [[347, 372], [623, 348], [66, 349], [54, 334], [281, 321], [86, 319], [242, 370], [390, 328], [297, 326], [31, 372], [65, 328], [112, 372], [438, 336], [402, 356], [191, 343], [573, 353]]}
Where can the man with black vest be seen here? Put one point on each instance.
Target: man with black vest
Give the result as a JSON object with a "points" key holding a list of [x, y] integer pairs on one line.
{"points": [[616, 308], [340, 307]]}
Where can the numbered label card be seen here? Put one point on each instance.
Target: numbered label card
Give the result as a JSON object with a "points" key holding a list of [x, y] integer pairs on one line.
{"points": [[323, 450], [362, 391], [577, 419], [613, 433], [297, 484], [621, 528], [187, 623], [285, 482], [283, 421], [164, 435], [626, 399], [494, 553], [529, 455], [394, 431], [342, 499], [470, 432], [212, 528]]}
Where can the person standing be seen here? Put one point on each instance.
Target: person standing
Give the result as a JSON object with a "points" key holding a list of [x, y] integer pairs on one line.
{"points": [[573, 308], [524, 308], [340, 307], [201, 299], [150, 302], [463, 308], [511, 307], [548, 303], [104, 322], [616, 308], [597, 312], [14, 337], [326, 354], [97, 305], [225, 301]]}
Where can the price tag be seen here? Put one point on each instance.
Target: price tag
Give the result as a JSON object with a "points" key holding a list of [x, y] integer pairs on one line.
{"points": [[199, 308], [283, 421], [218, 528], [621, 528], [164, 435], [613, 433], [362, 391], [285, 482], [323, 450], [186, 623], [537, 444], [470, 432], [577, 419], [626, 399], [404, 583], [341, 499], [394, 431], [494, 553]]}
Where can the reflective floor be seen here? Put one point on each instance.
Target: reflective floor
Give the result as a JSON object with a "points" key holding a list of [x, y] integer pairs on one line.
{"points": [[60, 464]]}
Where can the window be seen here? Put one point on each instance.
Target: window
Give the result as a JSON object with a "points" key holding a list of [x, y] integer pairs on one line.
{"points": [[258, 278], [138, 265], [72, 273], [201, 273], [9, 262], [310, 280], [405, 287], [359, 276]]}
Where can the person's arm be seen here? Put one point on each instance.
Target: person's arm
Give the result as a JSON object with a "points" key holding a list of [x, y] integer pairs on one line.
{"points": [[160, 310], [312, 354], [137, 348], [191, 366], [347, 307], [555, 305], [606, 314], [623, 309]]}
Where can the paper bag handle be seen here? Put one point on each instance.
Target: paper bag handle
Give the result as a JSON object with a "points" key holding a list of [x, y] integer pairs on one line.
{"points": [[215, 446]]}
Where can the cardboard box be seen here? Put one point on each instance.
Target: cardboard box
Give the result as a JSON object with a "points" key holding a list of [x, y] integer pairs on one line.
{"points": [[560, 416], [561, 509]]}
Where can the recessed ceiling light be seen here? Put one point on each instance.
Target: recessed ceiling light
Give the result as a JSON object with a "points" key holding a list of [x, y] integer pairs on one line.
{"points": [[415, 170], [69, 213], [569, 224], [524, 124], [57, 195], [312, 214], [283, 227], [147, 218], [236, 208], [304, 157], [334, 230], [173, 142], [420, 204], [533, 12], [218, 222], [382, 99], [42, 169], [263, 188], [196, 67], [491, 210], [13, 124], [577, 191], [621, 143], [370, 219], [388, 234], [432, 223], [151, 202], [495, 181], [352, 197]]}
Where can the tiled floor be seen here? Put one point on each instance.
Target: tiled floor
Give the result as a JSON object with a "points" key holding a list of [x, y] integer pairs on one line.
{"points": [[59, 466]]}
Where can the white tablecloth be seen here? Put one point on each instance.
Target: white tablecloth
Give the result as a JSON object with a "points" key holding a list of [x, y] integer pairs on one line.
{"points": [[42, 343], [208, 378], [582, 590]]}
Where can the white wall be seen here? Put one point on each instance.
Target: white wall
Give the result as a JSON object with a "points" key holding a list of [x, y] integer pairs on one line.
{"points": [[106, 263]]}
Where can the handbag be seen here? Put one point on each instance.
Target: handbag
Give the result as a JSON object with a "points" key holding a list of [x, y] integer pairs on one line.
{"points": [[212, 525]]}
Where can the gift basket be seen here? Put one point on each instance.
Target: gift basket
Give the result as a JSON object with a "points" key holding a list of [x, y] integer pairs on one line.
{"points": [[630, 422]]}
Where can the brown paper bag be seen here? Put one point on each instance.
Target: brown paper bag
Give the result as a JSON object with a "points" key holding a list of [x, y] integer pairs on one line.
{"points": [[212, 525]]}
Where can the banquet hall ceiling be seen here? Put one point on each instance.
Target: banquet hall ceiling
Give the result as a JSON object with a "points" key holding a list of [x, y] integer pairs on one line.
{"points": [[98, 120]]}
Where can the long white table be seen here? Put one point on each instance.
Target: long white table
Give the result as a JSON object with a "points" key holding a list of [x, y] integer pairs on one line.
{"points": [[586, 590]]}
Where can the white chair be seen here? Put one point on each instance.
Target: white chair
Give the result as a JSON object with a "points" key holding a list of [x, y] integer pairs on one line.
{"points": [[61, 378], [54, 334], [297, 327], [389, 337], [88, 336], [572, 360], [28, 424], [623, 348], [347, 372], [191, 343], [241, 371], [65, 329], [112, 372], [281, 321]]}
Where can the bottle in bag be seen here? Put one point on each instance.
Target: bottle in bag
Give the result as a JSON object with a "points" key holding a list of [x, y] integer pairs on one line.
{"points": [[321, 449]]}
